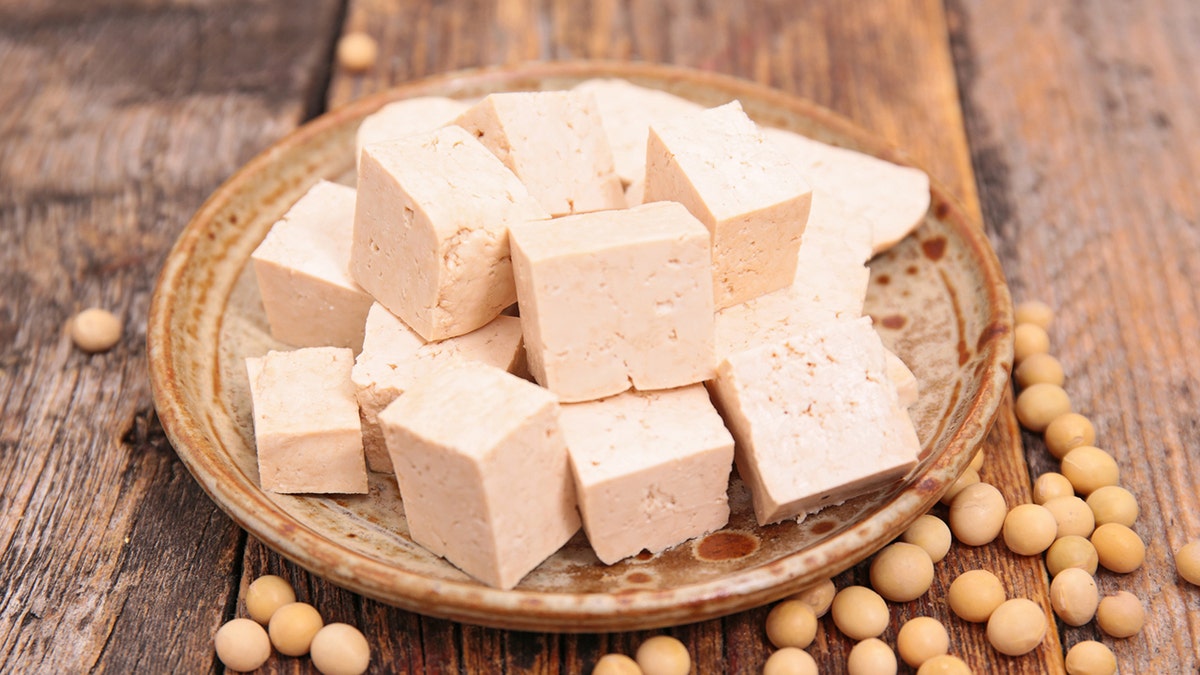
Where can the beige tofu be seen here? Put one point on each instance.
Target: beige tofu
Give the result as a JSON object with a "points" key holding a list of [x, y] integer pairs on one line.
{"points": [[615, 299], [627, 112], [635, 194], [431, 231], [554, 142], [907, 389], [302, 268], [830, 283], [815, 418], [394, 357], [483, 468], [651, 469], [306, 422], [404, 118], [891, 197], [746, 193]]}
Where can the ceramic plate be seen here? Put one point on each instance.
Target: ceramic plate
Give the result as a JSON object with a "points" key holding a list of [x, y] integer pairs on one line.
{"points": [[938, 297]]}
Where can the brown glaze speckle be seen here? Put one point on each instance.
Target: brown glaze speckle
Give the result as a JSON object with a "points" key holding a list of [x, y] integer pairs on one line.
{"points": [[638, 578], [883, 280], [721, 546], [942, 209], [912, 270], [823, 527], [894, 321], [934, 248]]}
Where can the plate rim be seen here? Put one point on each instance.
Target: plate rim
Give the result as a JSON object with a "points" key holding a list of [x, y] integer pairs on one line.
{"points": [[560, 611]]}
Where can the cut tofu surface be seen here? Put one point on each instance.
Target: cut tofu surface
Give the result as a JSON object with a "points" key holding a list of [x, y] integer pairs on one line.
{"points": [[651, 469], [627, 111], [394, 357], [302, 269], [753, 201], [891, 197], [615, 299], [816, 419], [431, 231], [404, 118], [306, 424], [555, 143], [483, 470]]}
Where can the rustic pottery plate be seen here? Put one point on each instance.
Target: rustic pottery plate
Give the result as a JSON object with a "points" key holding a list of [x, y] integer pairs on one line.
{"points": [[939, 298]]}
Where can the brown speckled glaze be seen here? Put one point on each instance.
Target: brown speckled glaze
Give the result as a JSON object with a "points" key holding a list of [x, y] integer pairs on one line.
{"points": [[944, 308]]}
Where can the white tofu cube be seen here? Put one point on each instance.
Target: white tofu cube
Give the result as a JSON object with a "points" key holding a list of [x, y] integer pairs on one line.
{"points": [[306, 422], [481, 463], [394, 356], [405, 118], [614, 299], [303, 272], [651, 469], [555, 143], [815, 418], [746, 193], [431, 231]]}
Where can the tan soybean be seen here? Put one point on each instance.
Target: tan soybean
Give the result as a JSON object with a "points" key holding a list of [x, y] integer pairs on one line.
{"points": [[1121, 615], [977, 514], [1074, 596], [1090, 658], [974, 595], [818, 596], [1029, 529], [1039, 404], [921, 639], [1029, 339], [357, 51], [968, 477], [792, 623], [1089, 468], [1035, 312], [340, 649], [1119, 548], [871, 657], [1051, 485], [1072, 515], [1187, 562], [1039, 369], [1113, 504], [1016, 627], [1067, 432], [901, 572], [267, 594], [930, 533], [95, 330], [293, 626], [242, 645], [946, 664], [1071, 551], [664, 655], [977, 460], [617, 664], [859, 612], [788, 661]]}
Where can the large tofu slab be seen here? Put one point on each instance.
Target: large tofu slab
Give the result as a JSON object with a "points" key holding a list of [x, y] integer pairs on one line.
{"points": [[404, 118], [627, 112], [394, 357], [651, 469], [481, 463], [555, 143], [306, 422], [431, 230], [815, 418], [752, 200], [615, 299], [302, 268], [830, 283], [891, 197]]}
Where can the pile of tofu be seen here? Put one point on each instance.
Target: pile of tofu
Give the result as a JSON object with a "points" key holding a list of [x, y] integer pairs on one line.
{"points": [[549, 310]]}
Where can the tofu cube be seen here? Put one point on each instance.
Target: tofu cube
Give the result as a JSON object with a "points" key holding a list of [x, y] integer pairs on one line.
{"points": [[555, 143], [394, 357], [431, 231], [306, 422], [303, 272], [405, 118], [746, 193], [483, 468], [614, 299], [815, 418], [651, 469], [907, 388]]}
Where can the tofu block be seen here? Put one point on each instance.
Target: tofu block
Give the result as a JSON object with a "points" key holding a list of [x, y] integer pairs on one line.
{"points": [[484, 471], [815, 419], [907, 389], [394, 357], [615, 299], [404, 118], [555, 143], [749, 196], [830, 283], [893, 198], [302, 268], [306, 422], [431, 231], [627, 111], [651, 469]]}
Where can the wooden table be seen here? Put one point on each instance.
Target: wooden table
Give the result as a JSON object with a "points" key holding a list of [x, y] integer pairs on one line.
{"points": [[1070, 128]]}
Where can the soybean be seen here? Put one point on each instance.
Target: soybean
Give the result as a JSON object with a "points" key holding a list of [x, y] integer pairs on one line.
{"points": [[1016, 627], [901, 572], [1067, 432], [1121, 615], [859, 612], [921, 639], [977, 514], [930, 533], [1029, 529], [974, 595], [1113, 504], [1074, 596], [1119, 548]]}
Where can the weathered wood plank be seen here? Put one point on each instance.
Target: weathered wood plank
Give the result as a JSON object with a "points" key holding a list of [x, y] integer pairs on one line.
{"points": [[1084, 142], [116, 121]]}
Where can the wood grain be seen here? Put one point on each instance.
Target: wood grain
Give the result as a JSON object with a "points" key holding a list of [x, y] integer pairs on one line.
{"points": [[1084, 140]]}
